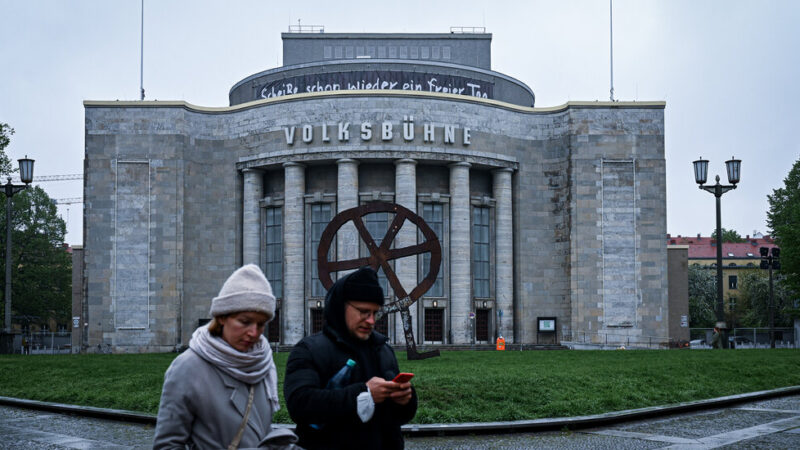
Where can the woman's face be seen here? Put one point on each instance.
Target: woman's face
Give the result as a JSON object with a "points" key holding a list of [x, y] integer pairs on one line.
{"points": [[243, 330]]}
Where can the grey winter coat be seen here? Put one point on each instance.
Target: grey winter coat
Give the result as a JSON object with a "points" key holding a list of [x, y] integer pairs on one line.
{"points": [[202, 407]]}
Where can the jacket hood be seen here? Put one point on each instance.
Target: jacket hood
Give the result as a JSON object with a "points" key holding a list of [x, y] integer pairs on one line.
{"points": [[361, 285]]}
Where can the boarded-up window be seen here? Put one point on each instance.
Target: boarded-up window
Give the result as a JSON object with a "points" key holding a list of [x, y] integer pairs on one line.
{"points": [[619, 243], [131, 294]]}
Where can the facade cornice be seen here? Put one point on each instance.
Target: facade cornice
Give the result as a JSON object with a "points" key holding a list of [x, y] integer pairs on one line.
{"points": [[373, 94], [456, 156]]}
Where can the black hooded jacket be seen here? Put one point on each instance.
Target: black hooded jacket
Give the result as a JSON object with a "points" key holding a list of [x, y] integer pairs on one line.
{"points": [[314, 361]]}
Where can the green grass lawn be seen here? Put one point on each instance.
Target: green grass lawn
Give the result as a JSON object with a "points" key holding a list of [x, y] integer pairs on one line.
{"points": [[456, 387]]}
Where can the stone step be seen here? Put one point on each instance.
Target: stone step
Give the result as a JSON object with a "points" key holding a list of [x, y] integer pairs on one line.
{"points": [[459, 347]]}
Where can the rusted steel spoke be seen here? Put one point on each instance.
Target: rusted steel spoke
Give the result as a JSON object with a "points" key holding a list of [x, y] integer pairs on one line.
{"points": [[399, 292], [394, 228], [418, 249], [365, 236], [336, 266]]}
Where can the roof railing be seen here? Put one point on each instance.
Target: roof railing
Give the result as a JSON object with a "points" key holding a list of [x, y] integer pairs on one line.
{"points": [[306, 28], [467, 30]]}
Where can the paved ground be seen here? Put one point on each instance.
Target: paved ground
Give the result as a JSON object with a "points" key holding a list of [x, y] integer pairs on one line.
{"points": [[767, 424]]}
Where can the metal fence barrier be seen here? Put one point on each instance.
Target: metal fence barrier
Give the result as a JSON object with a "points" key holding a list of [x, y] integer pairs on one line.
{"points": [[746, 337], [43, 343], [612, 340]]}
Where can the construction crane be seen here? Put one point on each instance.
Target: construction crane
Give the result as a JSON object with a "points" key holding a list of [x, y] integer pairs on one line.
{"points": [[68, 201], [44, 178], [69, 177]]}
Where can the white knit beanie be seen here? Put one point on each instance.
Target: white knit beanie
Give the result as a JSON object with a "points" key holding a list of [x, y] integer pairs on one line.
{"points": [[247, 289]]}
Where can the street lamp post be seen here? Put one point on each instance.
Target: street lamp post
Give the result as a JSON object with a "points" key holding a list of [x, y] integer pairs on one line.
{"points": [[771, 261], [733, 167], [26, 176]]}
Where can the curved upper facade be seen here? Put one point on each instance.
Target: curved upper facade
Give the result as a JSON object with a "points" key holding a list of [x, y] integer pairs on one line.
{"points": [[439, 63]]}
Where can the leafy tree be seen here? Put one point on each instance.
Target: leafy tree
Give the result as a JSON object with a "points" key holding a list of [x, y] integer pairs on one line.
{"points": [[728, 236], [41, 270], [5, 138], [783, 219], [754, 297], [702, 297]]}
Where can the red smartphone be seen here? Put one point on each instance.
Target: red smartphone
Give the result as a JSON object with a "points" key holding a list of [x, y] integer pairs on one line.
{"points": [[403, 377]]}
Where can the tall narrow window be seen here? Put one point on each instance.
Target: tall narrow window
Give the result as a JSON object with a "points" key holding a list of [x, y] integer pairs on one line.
{"points": [[480, 252], [382, 326], [378, 224], [273, 265], [433, 214], [274, 327], [733, 282], [320, 216], [273, 251]]}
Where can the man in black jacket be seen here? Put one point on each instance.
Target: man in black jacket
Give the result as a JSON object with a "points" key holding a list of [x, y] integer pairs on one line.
{"points": [[369, 410]]}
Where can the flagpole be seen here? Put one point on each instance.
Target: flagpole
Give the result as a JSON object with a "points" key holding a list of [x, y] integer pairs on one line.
{"points": [[611, 35], [141, 56]]}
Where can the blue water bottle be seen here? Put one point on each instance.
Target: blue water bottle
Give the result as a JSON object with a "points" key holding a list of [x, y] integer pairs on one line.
{"points": [[338, 381], [342, 377]]}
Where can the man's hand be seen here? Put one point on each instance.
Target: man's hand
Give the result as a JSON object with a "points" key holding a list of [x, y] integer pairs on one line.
{"points": [[381, 390], [401, 395]]}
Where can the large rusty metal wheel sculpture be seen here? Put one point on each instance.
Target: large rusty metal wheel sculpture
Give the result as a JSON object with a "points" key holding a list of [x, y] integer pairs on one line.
{"points": [[379, 256]]}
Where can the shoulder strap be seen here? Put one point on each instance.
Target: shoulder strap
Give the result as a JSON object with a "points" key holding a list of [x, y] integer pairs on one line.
{"points": [[235, 443]]}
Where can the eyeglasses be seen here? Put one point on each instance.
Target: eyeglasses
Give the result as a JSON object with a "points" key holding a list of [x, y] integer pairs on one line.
{"points": [[363, 313]]}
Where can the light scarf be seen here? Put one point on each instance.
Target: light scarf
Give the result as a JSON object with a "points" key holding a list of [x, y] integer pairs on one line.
{"points": [[248, 367]]}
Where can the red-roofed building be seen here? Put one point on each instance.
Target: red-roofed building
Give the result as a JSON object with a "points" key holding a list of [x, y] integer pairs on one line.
{"points": [[735, 257]]}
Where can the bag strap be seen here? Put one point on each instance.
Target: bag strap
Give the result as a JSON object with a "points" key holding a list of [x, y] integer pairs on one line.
{"points": [[235, 443]]}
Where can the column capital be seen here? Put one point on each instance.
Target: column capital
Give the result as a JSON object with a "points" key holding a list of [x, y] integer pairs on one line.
{"points": [[503, 169], [405, 161], [252, 170], [347, 161], [293, 164], [460, 164]]}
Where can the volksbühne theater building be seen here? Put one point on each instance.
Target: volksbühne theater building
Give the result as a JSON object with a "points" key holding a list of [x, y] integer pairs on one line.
{"points": [[551, 220]]}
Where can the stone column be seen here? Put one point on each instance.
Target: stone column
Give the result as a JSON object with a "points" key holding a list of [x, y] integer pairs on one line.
{"points": [[251, 217], [347, 239], [405, 181], [293, 253], [460, 255], [504, 254]]}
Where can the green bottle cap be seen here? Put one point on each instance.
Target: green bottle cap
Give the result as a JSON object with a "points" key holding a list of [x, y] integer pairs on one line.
{"points": [[351, 363]]}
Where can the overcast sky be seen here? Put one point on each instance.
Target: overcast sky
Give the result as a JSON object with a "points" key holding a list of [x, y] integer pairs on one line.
{"points": [[728, 70]]}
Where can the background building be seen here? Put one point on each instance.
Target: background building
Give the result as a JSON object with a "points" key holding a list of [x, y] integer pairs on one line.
{"points": [[545, 215], [736, 257]]}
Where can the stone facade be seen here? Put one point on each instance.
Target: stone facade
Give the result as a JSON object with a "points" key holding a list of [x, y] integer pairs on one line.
{"points": [[172, 208], [542, 212]]}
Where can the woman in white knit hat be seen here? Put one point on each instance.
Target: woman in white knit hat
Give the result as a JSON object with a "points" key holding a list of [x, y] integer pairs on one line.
{"points": [[223, 391]]}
